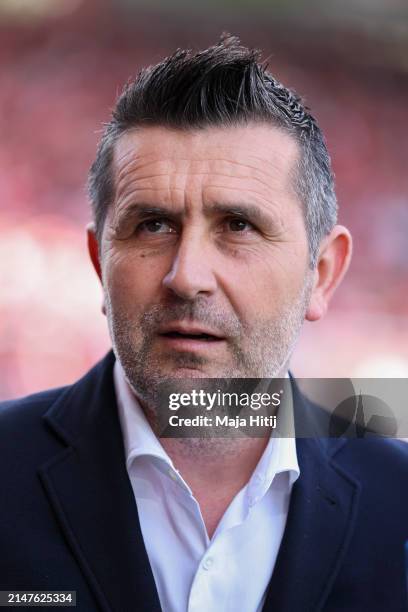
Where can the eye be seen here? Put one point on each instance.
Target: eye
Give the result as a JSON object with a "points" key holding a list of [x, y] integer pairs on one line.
{"points": [[236, 224], [156, 226]]}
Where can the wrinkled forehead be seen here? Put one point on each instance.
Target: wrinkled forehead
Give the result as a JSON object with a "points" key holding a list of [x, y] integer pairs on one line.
{"points": [[260, 147], [257, 157]]}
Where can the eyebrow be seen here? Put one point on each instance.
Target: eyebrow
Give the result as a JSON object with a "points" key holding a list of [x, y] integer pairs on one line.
{"points": [[246, 211], [142, 209]]}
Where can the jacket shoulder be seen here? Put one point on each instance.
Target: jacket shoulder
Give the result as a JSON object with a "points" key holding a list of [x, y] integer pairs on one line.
{"points": [[23, 418], [378, 449], [19, 412], [381, 462]]}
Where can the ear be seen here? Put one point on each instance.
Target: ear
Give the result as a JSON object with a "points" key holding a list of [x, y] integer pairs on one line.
{"points": [[333, 262], [93, 249]]}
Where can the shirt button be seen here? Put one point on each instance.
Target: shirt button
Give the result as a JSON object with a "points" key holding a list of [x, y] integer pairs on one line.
{"points": [[208, 563], [259, 478]]}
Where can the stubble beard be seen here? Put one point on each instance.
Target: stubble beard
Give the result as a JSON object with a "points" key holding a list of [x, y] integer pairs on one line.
{"points": [[271, 345]]}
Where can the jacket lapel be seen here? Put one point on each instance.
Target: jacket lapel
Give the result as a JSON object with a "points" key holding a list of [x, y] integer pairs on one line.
{"points": [[320, 523], [88, 486]]}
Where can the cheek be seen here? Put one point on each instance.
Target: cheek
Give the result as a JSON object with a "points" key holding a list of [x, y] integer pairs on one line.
{"points": [[263, 288], [133, 280]]}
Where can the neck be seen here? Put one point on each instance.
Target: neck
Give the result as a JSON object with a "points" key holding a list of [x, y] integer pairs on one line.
{"points": [[215, 470], [231, 460]]}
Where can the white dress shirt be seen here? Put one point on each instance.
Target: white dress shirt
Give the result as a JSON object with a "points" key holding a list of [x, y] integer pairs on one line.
{"points": [[231, 571]]}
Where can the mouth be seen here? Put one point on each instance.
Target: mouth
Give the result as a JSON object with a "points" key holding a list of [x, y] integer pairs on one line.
{"points": [[203, 336], [190, 338]]}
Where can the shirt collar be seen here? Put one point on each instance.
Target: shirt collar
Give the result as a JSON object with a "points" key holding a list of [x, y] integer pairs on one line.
{"points": [[280, 454], [285, 432], [138, 436]]}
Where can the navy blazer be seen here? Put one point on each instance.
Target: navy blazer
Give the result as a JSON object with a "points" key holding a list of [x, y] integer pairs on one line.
{"points": [[69, 521]]}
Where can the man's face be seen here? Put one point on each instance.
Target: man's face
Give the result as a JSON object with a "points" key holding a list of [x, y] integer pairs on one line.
{"points": [[204, 254]]}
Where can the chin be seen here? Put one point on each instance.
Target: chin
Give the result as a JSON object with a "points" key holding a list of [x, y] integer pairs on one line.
{"points": [[186, 371]]}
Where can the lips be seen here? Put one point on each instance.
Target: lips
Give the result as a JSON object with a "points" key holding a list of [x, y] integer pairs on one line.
{"points": [[182, 336], [190, 332]]}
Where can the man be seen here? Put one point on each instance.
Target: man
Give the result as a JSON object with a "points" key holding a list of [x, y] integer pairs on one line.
{"points": [[214, 238]]}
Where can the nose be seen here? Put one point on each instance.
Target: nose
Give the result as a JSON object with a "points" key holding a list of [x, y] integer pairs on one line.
{"points": [[191, 272]]}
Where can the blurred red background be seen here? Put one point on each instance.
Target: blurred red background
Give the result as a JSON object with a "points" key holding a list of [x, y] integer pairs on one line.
{"points": [[63, 63]]}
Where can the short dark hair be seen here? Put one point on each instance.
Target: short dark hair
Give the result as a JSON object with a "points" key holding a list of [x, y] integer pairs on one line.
{"points": [[223, 85]]}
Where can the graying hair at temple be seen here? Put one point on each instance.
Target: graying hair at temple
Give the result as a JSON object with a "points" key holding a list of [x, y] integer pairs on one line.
{"points": [[223, 85]]}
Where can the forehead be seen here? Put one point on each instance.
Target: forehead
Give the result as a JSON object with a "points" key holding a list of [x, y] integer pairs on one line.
{"points": [[258, 158]]}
